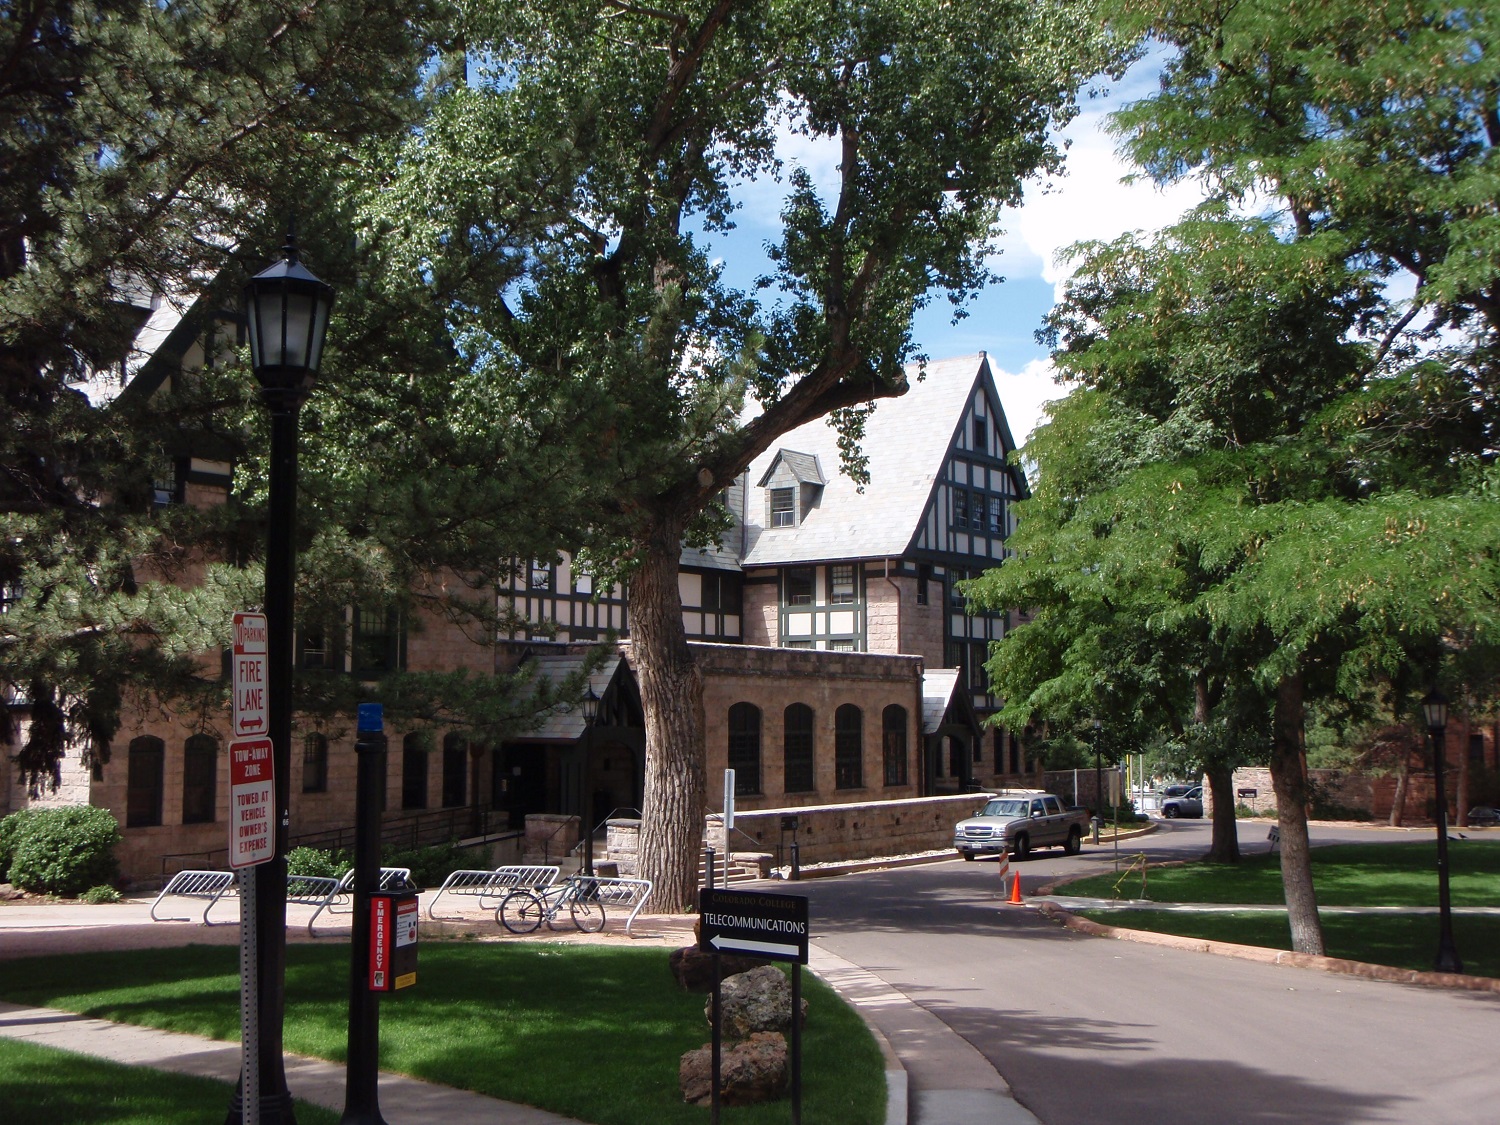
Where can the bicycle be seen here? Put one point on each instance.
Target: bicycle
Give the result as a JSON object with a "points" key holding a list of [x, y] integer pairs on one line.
{"points": [[524, 909]]}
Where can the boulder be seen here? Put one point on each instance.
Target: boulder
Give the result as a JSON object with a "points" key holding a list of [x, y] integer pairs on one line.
{"points": [[749, 1072], [694, 969], [760, 1000]]}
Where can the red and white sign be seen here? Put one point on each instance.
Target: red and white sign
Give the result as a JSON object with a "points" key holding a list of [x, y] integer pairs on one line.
{"points": [[251, 715], [252, 802]]}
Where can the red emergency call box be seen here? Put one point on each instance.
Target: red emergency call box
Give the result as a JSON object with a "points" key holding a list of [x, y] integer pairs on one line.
{"points": [[393, 941]]}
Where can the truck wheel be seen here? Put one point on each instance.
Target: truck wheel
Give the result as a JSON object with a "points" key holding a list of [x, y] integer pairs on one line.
{"points": [[968, 856], [1075, 841], [1022, 847]]}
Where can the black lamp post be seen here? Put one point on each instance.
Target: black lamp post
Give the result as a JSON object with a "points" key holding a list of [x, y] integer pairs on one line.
{"points": [[1098, 773], [1435, 710], [590, 713], [287, 310]]}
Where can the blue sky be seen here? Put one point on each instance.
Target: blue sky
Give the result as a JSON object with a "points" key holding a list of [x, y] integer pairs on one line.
{"points": [[1087, 202]]}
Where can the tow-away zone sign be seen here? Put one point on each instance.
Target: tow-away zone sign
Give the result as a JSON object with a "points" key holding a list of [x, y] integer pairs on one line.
{"points": [[753, 923], [252, 802]]}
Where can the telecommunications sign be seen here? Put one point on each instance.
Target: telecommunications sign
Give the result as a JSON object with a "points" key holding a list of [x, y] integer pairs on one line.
{"points": [[249, 675], [753, 923], [252, 802]]}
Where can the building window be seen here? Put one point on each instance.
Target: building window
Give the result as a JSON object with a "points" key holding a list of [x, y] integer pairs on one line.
{"points": [[960, 508], [541, 576], [797, 749], [979, 678], [848, 747], [315, 763], [783, 507], [893, 722], [413, 773], [997, 516], [841, 584], [955, 595], [798, 644], [981, 433], [843, 644], [200, 776], [455, 770], [144, 782], [10, 595], [744, 748], [799, 585], [721, 593], [1476, 749], [314, 644], [377, 641], [924, 577], [166, 486]]}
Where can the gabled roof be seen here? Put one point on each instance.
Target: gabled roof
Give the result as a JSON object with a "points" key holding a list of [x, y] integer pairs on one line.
{"points": [[906, 441], [938, 687], [803, 467], [563, 722]]}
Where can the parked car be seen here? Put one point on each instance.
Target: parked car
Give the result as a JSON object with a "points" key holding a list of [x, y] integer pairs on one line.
{"points": [[1190, 804], [1483, 816], [1177, 789], [1018, 820]]}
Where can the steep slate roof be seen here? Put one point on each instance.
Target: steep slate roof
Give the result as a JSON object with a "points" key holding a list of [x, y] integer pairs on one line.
{"points": [[906, 440], [938, 688], [564, 721], [803, 466]]}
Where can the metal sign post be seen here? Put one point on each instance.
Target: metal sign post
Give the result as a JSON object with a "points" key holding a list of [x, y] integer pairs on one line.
{"points": [[728, 818], [774, 927], [252, 829]]}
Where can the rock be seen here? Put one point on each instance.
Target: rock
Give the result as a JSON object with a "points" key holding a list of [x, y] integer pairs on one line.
{"points": [[749, 1072], [694, 969], [760, 1000]]}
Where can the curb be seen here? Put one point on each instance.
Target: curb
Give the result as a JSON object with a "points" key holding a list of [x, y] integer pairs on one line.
{"points": [[1340, 965]]}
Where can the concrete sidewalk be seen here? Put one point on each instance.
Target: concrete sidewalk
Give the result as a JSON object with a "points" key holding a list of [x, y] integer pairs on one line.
{"points": [[934, 1076]]}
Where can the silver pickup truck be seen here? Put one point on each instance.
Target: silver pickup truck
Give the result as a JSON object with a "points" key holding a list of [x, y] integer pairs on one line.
{"points": [[1018, 820]]}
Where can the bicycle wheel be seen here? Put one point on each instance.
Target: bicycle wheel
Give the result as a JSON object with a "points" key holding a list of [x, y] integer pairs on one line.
{"points": [[588, 914], [521, 911]]}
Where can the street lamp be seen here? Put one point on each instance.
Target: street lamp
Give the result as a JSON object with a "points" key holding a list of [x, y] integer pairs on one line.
{"points": [[590, 706], [590, 713], [287, 309], [1435, 710]]}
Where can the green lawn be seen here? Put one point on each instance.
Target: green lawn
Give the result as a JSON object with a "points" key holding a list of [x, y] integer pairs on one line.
{"points": [[592, 1032], [1344, 875], [40, 1084], [1406, 942]]}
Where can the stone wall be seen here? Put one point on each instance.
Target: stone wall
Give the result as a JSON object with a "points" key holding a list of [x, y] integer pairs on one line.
{"points": [[830, 833], [773, 678]]}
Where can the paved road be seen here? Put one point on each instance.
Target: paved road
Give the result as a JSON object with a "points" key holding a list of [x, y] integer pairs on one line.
{"points": [[1092, 1030]]}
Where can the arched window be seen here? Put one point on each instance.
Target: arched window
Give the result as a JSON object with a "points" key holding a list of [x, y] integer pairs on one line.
{"points": [[143, 787], [893, 721], [315, 763], [744, 748], [413, 773], [455, 769], [797, 749], [200, 777], [848, 747]]}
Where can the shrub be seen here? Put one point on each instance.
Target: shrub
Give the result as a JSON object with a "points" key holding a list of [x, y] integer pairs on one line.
{"points": [[431, 865], [103, 893], [12, 828], [65, 851], [315, 861]]}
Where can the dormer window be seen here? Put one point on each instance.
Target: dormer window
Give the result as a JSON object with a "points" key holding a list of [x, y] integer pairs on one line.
{"points": [[783, 507]]}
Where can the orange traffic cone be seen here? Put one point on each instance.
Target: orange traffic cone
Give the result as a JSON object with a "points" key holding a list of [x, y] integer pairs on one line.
{"points": [[1015, 891]]}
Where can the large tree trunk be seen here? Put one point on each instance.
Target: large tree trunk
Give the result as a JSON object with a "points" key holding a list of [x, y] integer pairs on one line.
{"points": [[1289, 780], [672, 698], [1225, 846], [1398, 801]]}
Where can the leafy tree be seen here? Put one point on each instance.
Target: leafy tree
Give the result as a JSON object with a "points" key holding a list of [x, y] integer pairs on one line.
{"points": [[559, 206], [143, 144], [1309, 470]]}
